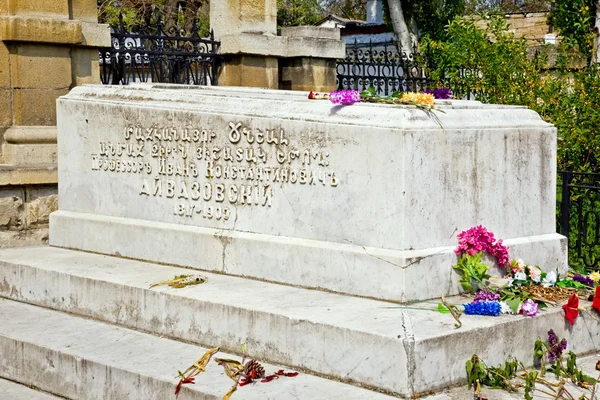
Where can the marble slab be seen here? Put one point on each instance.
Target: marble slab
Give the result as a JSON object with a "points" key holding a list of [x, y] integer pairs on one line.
{"points": [[364, 199]]}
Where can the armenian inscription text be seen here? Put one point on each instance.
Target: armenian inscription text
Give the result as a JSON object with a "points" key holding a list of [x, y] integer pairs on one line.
{"points": [[204, 174]]}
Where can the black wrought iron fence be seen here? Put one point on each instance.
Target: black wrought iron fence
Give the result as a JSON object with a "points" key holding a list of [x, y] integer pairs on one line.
{"points": [[384, 66], [578, 216], [157, 54]]}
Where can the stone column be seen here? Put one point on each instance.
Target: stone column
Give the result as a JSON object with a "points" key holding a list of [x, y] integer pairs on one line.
{"points": [[301, 58], [46, 48], [248, 31], [310, 64]]}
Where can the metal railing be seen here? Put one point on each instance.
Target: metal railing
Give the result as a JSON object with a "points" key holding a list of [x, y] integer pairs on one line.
{"points": [[157, 54], [384, 66], [578, 216]]}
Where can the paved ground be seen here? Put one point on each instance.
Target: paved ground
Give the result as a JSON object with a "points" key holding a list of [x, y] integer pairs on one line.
{"points": [[588, 365], [13, 391]]}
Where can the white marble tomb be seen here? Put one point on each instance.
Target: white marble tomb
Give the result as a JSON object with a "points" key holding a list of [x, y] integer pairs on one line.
{"points": [[364, 199]]}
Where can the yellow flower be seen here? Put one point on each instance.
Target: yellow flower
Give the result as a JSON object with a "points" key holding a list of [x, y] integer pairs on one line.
{"points": [[595, 276], [421, 98]]}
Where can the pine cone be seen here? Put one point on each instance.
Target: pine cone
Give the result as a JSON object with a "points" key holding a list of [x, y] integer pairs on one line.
{"points": [[254, 366]]}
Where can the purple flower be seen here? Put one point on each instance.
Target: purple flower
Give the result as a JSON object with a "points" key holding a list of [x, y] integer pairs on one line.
{"points": [[345, 97], [486, 295], [556, 347], [440, 93], [529, 308], [586, 280], [482, 308]]}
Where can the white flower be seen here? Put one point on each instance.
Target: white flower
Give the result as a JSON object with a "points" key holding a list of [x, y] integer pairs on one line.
{"points": [[550, 279], [520, 276], [505, 308]]}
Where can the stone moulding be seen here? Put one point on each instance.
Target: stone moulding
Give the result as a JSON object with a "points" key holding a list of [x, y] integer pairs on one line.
{"points": [[364, 199], [48, 30]]}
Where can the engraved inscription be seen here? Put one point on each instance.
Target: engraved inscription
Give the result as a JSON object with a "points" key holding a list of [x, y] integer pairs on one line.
{"points": [[206, 173]]}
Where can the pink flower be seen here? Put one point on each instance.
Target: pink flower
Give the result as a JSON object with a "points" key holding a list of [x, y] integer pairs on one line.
{"points": [[529, 308], [344, 97], [479, 239], [535, 274], [517, 266]]}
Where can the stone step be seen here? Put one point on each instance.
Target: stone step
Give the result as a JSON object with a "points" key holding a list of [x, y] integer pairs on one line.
{"points": [[84, 359], [402, 351], [14, 391]]}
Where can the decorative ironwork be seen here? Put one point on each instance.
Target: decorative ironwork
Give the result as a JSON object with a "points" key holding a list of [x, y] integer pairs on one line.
{"points": [[159, 54], [385, 66], [578, 217]]}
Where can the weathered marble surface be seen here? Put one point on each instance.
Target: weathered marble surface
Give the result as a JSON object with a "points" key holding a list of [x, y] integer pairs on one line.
{"points": [[407, 351], [364, 199]]}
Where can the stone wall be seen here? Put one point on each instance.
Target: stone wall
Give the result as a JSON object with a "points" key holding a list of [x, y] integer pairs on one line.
{"points": [[532, 26], [46, 48], [24, 214]]}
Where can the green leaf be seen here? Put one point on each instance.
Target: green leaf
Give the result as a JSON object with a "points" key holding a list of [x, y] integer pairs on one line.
{"points": [[443, 309], [514, 303], [369, 92], [569, 283]]}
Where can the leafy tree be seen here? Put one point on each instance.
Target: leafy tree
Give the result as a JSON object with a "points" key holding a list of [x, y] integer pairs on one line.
{"points": [[412, 19], [578, 22], [298, 12], [350, 9], [174, 13]]}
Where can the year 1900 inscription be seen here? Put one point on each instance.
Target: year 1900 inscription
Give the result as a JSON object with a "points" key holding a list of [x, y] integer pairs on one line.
{"points": [[203, 175]]}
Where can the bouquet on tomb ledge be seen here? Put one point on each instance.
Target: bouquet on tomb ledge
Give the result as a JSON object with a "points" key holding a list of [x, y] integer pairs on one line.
{"points": [[423, 101], [348, 97], [524, 289]]}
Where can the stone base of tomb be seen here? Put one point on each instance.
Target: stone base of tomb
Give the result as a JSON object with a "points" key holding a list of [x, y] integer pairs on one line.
{"points": [[338, 267], [83, 325], [365, 199]]}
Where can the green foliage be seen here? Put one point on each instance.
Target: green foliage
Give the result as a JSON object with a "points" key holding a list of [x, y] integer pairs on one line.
{"points": [[574, 19], [505, 376], [433, 16], [178, 13], [569, 283], [490, 63], [495, 377], [298, 12], [350, 9], [471, 269]]}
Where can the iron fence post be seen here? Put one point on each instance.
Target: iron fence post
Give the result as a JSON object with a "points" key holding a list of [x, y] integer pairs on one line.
{"points": [[565, 204]]}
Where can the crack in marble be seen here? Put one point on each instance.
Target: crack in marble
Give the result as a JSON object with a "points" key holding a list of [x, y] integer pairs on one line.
{"points": [[408, 341]]}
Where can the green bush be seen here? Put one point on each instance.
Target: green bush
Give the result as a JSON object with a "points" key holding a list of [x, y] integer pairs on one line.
{"points": [[489, 63]]}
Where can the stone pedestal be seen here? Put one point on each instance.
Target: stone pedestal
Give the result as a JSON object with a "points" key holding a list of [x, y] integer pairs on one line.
{"points": [[250, 71], [302, 58], [364, 199], [46, 48], [315, 69]]}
